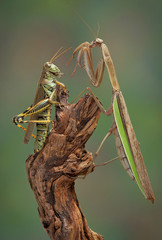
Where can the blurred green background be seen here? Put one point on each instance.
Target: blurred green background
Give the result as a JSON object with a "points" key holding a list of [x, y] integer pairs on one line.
{"points": [[31, 32]]}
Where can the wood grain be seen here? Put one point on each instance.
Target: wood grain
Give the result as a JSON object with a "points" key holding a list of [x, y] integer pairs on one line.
{"points": [[53, 171]]}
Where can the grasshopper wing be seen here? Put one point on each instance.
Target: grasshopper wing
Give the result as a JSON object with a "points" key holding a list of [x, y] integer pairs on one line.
{"points": [[38, 97]]}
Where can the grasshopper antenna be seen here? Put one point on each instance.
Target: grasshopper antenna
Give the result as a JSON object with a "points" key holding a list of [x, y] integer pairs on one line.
{"points": [[57, 56], [53, 58]]}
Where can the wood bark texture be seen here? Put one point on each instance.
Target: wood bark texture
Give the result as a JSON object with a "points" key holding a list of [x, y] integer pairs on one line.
{"points": [[52, 171]]}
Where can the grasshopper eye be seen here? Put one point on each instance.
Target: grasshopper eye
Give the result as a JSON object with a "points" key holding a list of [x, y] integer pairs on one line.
{"points": [[48, 65]]}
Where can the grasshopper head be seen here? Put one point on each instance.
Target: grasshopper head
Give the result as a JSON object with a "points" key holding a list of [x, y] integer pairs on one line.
{"points": [[52, 68]]}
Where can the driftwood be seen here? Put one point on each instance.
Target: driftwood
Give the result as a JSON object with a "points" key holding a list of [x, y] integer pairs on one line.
{"points": [[52, 171]]}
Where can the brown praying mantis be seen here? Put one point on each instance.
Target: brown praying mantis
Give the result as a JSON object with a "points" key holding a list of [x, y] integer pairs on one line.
{"points": [[126, 142]]}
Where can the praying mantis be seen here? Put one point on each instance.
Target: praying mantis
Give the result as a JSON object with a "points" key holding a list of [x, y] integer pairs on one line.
{"points": [[40, 111], [126, 142]]}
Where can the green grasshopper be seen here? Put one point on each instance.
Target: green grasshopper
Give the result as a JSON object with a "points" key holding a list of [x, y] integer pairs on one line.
{"points": [[126, 142], [40, 111]]}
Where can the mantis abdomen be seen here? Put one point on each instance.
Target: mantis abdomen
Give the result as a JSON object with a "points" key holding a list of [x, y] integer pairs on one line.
{"points": [[122, 155]]}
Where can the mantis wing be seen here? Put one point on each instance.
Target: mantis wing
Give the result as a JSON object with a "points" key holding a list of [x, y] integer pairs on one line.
{"points": [[131, 146]]}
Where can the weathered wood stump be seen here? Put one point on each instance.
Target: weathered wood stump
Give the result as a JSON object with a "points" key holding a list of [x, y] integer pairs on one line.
{"points": [[52, 171]]}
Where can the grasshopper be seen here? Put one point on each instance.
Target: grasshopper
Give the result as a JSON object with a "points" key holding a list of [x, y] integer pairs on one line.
{"points": [[40, 111], [126, 142]]}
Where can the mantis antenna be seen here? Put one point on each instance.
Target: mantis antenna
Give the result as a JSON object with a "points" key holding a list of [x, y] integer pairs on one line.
{"points": [[93, 33], [98, 30]]}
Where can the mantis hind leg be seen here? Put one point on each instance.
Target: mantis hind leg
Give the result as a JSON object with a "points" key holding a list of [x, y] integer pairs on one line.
{"points": [[106, 112], [99, 148], [102, 109], [113, 127]]}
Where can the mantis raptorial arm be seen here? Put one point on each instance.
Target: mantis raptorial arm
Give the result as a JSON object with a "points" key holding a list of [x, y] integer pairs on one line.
{"points": [[95, 78]]}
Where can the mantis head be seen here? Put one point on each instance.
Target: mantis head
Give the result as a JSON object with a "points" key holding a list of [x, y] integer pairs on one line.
{"points": [[96, 42]]}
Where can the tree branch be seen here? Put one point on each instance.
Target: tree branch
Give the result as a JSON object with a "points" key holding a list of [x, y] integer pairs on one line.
{"points": [[53, 170]]}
